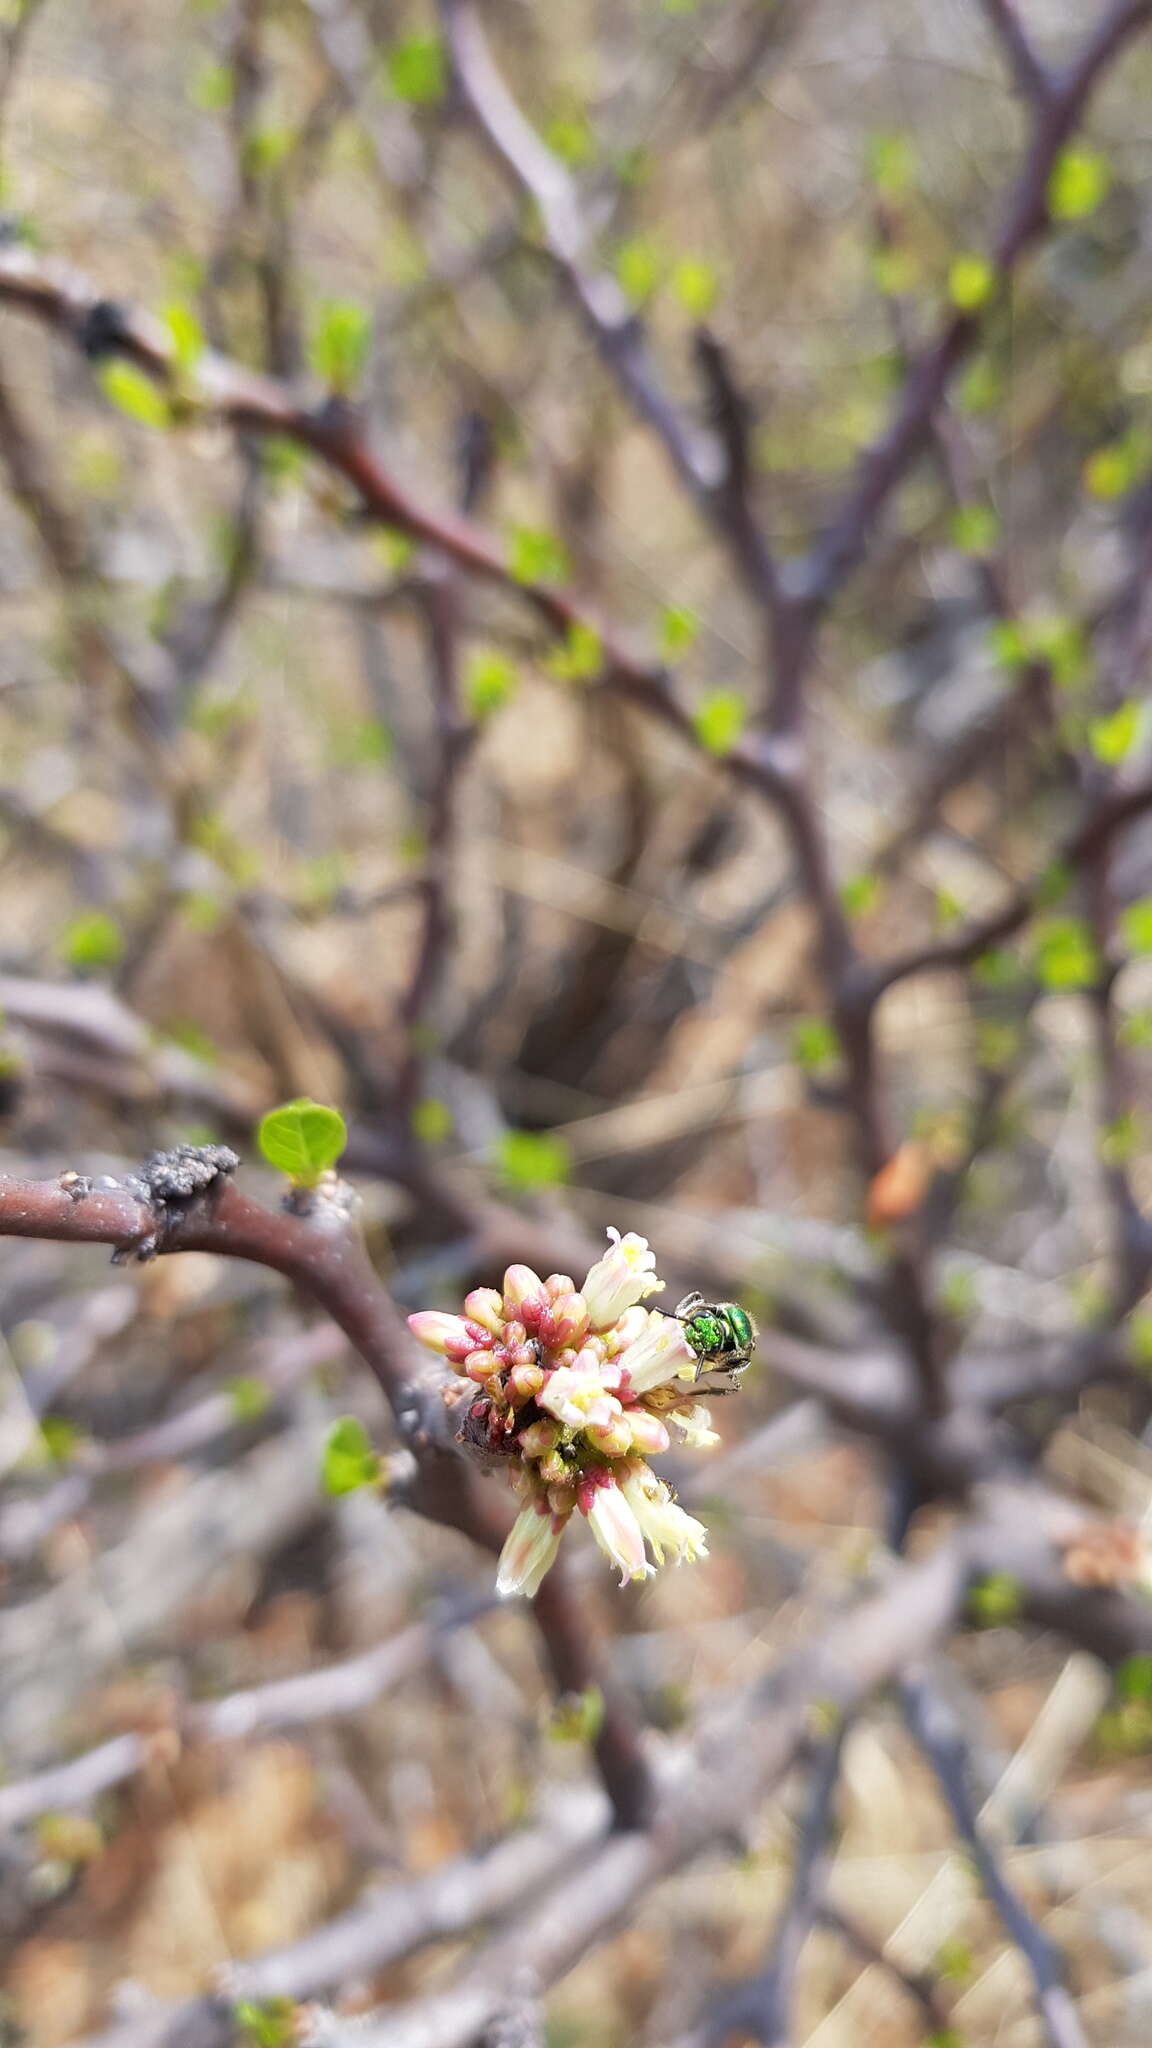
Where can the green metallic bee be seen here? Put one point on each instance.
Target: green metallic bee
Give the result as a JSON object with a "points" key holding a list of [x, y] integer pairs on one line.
{"points": [[723, 1336]]}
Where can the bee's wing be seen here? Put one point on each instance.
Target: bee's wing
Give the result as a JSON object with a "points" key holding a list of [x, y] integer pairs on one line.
{"points": [[719, 1380]]}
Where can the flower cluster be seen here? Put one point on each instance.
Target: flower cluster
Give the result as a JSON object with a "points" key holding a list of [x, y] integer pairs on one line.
{"points": [[577, 1389]]}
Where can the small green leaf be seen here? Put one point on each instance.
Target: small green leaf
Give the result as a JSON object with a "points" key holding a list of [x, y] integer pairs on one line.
{"points": [[490, 679], [1135, 1030], [349, 1460], [570, 137], [264, 149], [266, 2022], [896, 271], [212, 87], [366, 743], [59, 1439], [1061, 643], [431, 1121], [718, 720], [981, 387], [994, 1601], [1113, 738], [283, 461], [527, 1160], [996, 1045], [302, 1139], [1079, 181], [958, 1296], [416, 71], [1136, 925], [202, 912], [249, 1396], [696, 285], [971, 283], [1110, 471], [192, 1038], [1053, 884], [92, 941], [1009, 644], [639, 267], [860, 894], [396, 549], [814, 1044], [679, 630], [578, 1717], [1120, 1139], [580, 659], [1066, 956], [338, 347], [997, 968], [1140, 1340], [975, 529], [537, 556], [134, 393], [1134, 1677], [186, 335], [891, 164]]}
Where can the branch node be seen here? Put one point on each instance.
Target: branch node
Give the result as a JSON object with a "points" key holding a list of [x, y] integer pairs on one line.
{"points": [[169, 1183]]}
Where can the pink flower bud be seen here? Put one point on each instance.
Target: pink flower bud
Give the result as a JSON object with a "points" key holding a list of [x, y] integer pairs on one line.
{"points": [[613, 1437], [539, 1438], [485, 1307], [523, 1382], [523, 1289], [449, 1335], [481, 1365], [566, 1323]]}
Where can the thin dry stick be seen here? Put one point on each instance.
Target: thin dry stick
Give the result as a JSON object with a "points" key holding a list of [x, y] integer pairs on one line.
{"points": [[933, 1725]]}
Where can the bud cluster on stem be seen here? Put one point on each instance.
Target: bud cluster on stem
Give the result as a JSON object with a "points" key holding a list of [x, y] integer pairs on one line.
{"points": [[576, 1388]]}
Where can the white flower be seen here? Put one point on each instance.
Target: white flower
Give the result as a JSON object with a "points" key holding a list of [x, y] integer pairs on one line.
{"points": [[623, 1277], [662, 1522], [616, 1529], [695, 1425], [579, 1398], [528, 1552], [660, 1352]]}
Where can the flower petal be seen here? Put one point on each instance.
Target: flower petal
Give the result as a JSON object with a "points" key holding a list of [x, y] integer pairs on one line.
{"points": [[664, 1524], [529, 1550], [623, 1277], [695, 1425], [660, 1353], [616, 1529]]}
